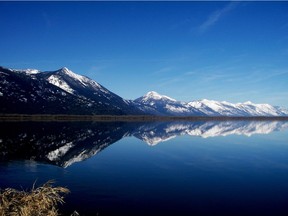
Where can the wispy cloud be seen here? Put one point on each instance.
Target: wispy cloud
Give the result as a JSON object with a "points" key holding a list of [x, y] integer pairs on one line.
{"points": [[163, 70], [95, 70], [170, 81], [47, 20], [214, 73], [215, 16], [264, 74], [278, 99]]}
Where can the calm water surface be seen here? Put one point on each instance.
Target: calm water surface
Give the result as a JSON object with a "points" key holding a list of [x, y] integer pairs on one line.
{"points": [[167, 168]]}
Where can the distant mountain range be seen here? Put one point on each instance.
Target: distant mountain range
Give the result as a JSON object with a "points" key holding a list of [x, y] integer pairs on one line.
{"points": [[64, 92]]}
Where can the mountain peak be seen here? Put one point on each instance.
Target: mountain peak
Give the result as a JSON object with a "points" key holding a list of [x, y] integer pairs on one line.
{"points": [[156, 96], [77, 77], [248, 103], [67, 71], [152, 94]]}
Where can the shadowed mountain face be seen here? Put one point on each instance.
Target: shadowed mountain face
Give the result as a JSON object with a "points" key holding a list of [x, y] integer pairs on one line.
{"points": [[58, 92], [64, 143]]}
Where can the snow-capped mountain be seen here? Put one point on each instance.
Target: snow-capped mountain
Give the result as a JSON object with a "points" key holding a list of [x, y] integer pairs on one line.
{"points": [[168, 106], [98, 96], [58, 92], [65, 92], [216, 108]]}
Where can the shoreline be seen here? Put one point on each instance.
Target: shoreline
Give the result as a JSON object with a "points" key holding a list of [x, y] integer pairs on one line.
{"points": [[132, 118]]}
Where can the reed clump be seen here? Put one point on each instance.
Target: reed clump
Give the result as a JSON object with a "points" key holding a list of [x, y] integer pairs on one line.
{"points": [[39, 201]]}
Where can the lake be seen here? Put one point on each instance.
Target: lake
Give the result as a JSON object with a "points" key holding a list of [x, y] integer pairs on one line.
{"points": [[152, 168]]}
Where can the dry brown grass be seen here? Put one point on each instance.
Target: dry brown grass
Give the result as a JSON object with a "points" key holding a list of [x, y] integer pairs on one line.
{"points": [[39, 201]]}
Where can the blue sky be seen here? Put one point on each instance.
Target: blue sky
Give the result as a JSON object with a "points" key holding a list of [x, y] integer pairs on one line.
{"points": [[232, 51]]}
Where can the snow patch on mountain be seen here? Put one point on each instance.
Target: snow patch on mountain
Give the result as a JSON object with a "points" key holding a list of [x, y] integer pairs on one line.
{"points": [[32, 71], [212, 107], [176, 109], [216, 108], [82, 79], [25, 71], [57, 81], [259, 109]]}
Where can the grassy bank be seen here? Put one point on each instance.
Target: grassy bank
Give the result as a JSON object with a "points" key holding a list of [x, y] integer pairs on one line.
{"points": [[40, 201]]}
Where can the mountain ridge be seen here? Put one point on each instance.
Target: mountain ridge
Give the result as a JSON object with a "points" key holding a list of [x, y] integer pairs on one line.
{"points": [[62, 91], [206, 107]]}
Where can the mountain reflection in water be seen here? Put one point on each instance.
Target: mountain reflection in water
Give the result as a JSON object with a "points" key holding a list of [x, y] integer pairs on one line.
{"points": [[64, 143]]}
